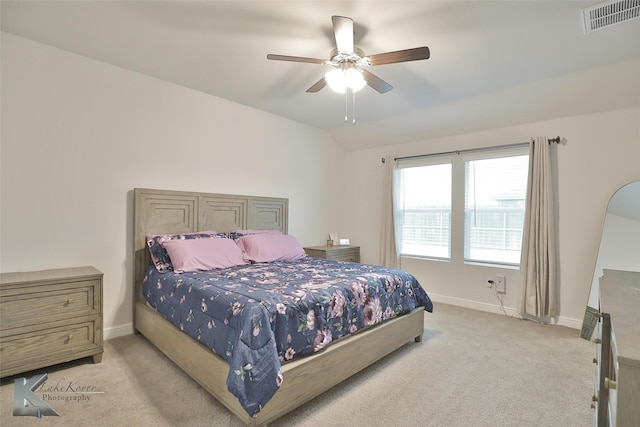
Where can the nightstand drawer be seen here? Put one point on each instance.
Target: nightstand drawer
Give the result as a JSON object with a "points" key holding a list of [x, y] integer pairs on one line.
{"points": [[34, 307], [48, 347], [338, 253], [349, 256]]}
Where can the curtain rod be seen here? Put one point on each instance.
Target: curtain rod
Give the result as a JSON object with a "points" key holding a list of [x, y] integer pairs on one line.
{"points": [[472, 150]]}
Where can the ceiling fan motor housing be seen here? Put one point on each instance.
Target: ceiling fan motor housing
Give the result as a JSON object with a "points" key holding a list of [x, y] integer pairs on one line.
{"points": [[348, 60]]}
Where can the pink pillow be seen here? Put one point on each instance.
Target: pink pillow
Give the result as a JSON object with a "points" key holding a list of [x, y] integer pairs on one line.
{"points": [[203, 254], [159, 254], [270, 247]]}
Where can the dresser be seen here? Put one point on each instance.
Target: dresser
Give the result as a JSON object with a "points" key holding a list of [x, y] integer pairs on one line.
{"points": [[617, 394], [49, 317], [340, 253]]}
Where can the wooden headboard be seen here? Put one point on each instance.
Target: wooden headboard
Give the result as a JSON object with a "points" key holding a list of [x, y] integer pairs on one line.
{"points": [[167, 212]]}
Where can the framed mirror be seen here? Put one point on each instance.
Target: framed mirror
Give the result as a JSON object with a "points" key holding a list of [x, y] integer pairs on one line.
{"points": [[619, 246]]}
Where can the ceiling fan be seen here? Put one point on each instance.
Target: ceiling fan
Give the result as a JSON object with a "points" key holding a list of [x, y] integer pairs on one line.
{"points": [[350, 63]]}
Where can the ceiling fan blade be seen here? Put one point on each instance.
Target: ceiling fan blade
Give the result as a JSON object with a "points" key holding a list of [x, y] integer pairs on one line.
{"points": [[343, 30], [414, 54], [317, 86], [295, 59], [376, 82]]}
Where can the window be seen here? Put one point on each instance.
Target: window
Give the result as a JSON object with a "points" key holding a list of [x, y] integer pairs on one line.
{"points": [[468, 206], [424, 210], [495, 191]]}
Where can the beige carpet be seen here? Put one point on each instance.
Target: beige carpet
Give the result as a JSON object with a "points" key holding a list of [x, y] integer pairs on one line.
{"points": [[472, 369]]}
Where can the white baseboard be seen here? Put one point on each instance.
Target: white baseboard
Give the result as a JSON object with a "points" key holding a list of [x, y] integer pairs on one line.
{"points": [[495, 308], [570, 322], [118, 331]]}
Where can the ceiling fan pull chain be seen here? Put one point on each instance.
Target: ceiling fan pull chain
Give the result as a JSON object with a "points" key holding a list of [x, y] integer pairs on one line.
{"points": [[353, 110], [346, 104]]}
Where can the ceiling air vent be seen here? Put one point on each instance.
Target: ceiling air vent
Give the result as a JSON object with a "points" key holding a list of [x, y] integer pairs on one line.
{"points": [[609, 13]]}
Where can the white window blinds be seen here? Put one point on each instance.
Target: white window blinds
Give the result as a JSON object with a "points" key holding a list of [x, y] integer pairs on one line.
{"points": [[495, 190], [424, 210]]}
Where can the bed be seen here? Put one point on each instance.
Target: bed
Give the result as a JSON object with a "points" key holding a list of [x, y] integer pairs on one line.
{"points": [[162, 212]]}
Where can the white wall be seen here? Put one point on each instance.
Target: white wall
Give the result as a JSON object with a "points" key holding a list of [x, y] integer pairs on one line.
{"points": [[78, 135], [600, 155]]}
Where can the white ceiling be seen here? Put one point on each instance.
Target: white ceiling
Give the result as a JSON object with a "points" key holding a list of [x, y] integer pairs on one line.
{"points": [[492, 63]]}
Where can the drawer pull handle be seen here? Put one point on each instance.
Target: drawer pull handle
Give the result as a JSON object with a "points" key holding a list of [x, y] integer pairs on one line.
{"points": [[70, 337], [70, 301], [610, 384]]}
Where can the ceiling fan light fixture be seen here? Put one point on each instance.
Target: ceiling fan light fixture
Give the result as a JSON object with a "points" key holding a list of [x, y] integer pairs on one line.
{"points": [[335, 80], [355, 80], [338, 80]]}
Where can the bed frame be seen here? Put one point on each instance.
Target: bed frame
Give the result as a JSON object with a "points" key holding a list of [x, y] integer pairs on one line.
{"points": [[164, 212]]}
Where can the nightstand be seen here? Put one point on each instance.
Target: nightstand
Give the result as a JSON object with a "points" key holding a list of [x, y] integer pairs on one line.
{"points": [[339, 253], [49, 317]]}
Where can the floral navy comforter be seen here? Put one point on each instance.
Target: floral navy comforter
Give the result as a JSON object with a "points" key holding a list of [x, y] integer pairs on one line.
{"points": [[260, 316]]}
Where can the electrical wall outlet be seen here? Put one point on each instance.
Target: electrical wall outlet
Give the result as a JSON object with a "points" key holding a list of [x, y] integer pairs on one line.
{"points": [[501, 284]]}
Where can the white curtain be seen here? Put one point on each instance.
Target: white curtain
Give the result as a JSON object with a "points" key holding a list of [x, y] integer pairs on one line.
{"points": [[388, 247], [538, 265]]}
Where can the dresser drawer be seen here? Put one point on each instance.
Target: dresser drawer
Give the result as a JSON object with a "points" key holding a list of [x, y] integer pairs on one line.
{"points": [[48, 347], [34, 307]]}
